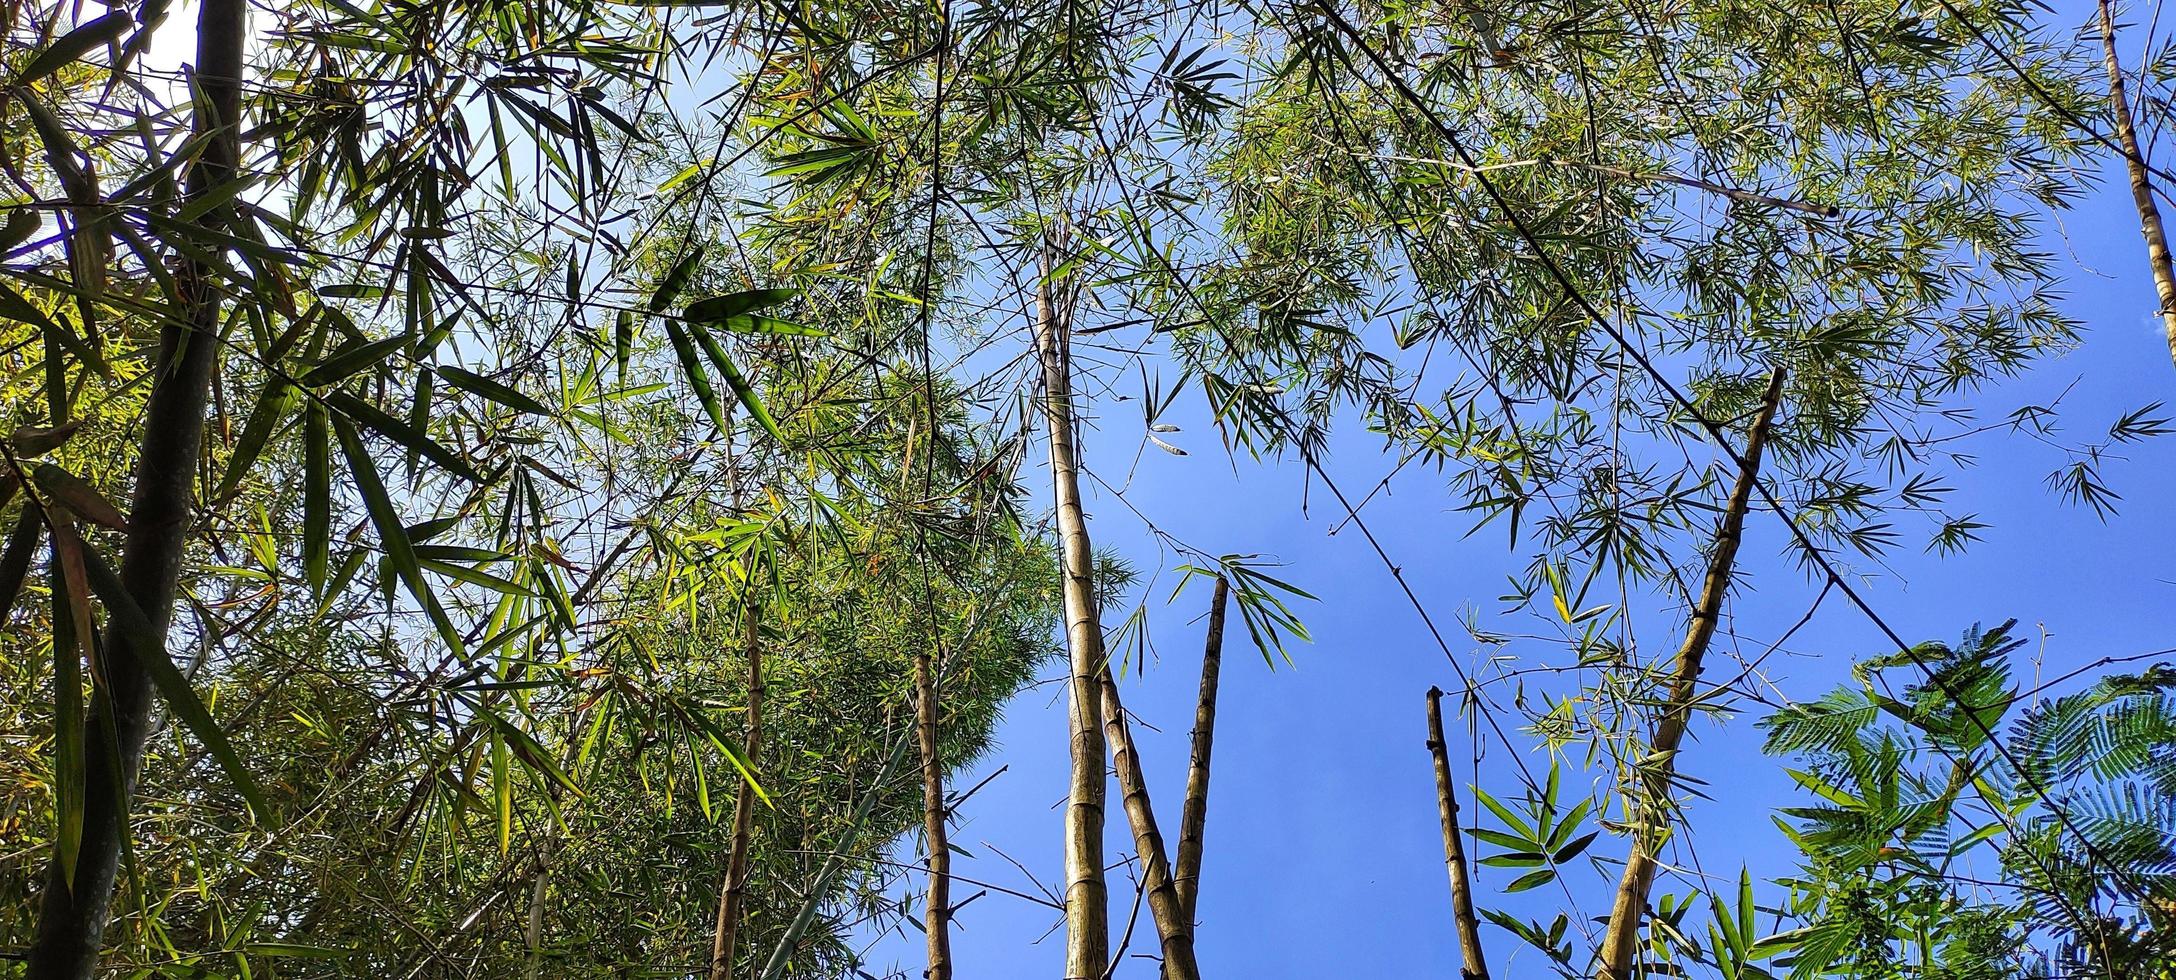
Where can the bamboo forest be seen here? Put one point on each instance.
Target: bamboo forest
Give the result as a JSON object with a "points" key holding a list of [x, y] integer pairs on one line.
{"points": [[1087, 489]]}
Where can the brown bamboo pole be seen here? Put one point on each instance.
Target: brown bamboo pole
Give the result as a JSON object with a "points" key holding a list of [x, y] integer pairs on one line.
{"points": [[937, 920], [74, 912], [1620, 944], [1173, 930], [732, 897], [1087, 917], [1194, 817], [1474, 963], [2134, 161]]}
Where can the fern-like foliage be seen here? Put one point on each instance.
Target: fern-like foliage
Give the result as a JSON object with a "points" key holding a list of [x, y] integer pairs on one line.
{"points": [[1925, 766]]}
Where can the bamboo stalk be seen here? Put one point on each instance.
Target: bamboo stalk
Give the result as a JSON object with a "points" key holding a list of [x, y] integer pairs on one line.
{"points": [[1194, 817], [1087, 917], [1173, 930], [72, 920], [2134, 161], [732, 898], [1620, 944], [937, 921], [1474, 964]]}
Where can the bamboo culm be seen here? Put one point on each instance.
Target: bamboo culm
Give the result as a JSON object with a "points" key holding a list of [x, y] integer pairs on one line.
{"points": [[1621, 942], [1474, 964], [1087, 916], [1194, 816], [937, 919], [72, 921], [732, 896], [2134, 162]]}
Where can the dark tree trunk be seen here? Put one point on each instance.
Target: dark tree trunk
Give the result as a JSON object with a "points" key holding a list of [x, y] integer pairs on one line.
{"points": [[72, 922]]}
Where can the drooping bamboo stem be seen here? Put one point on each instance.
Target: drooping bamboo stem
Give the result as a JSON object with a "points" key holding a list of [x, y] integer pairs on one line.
{"points": [[1194, 818], [937, 920], [1173, 929], [72, 921], [1620, 944], [1087, 925], [2134, 162], [1474, 966], [732, 897]]}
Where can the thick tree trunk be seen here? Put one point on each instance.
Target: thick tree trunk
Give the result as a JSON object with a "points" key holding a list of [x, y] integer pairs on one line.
{"points": [[1194, 818], [937, 921], [1620, 944], [2134, 161], [1474, 964], [1173, 929], [72, 922], [1087, 925], [732, 897]]}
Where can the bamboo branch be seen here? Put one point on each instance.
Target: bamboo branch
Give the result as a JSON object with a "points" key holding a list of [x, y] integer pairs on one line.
{"points": [[1194, 817], [2134, 161], [1174, 931], [1474, 964], [1620, 945], [1087, 917], [937, 921], [72, 920], [732, 897]]}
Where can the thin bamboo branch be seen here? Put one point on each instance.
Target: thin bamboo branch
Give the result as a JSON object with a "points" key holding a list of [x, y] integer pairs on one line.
{"points": [[72, 920], [937, 921], [732, 897], [1087, 917], [1194, 817], [1173, 930], [1474, 963], [2134, 161], [1620, 944]]}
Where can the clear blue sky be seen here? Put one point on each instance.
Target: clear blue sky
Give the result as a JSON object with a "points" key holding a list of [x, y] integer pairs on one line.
{"points": [[1323, 856]]}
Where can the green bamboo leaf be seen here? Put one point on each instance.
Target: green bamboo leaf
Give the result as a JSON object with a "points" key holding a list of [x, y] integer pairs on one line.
{"points": [[477, 384], [1531, 879], [277, 399], [316, 496], [692, 365], [527, 750], [72, 46], [1504, 814], [718, 309], [125, 621], [15, 560], [726, 745], [357, 410], [668, 288], [392, 536], [71, 627], [741, 388], [353, 358]]}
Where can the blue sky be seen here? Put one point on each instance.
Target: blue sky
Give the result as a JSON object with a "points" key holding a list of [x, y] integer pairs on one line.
{"points": [[1323, 855]]}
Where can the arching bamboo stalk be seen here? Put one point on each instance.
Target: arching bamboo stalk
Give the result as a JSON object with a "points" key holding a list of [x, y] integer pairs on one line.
{"points": [[1620, 944], [1194, 817]]}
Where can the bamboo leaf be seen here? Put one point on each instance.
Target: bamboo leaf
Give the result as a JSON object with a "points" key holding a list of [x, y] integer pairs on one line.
{"points": [[477, 384], [392, 535], [741, 388], [691, 364], [127, 622], [70, 490], [72, 46], [357, 410], [273, 404]]}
